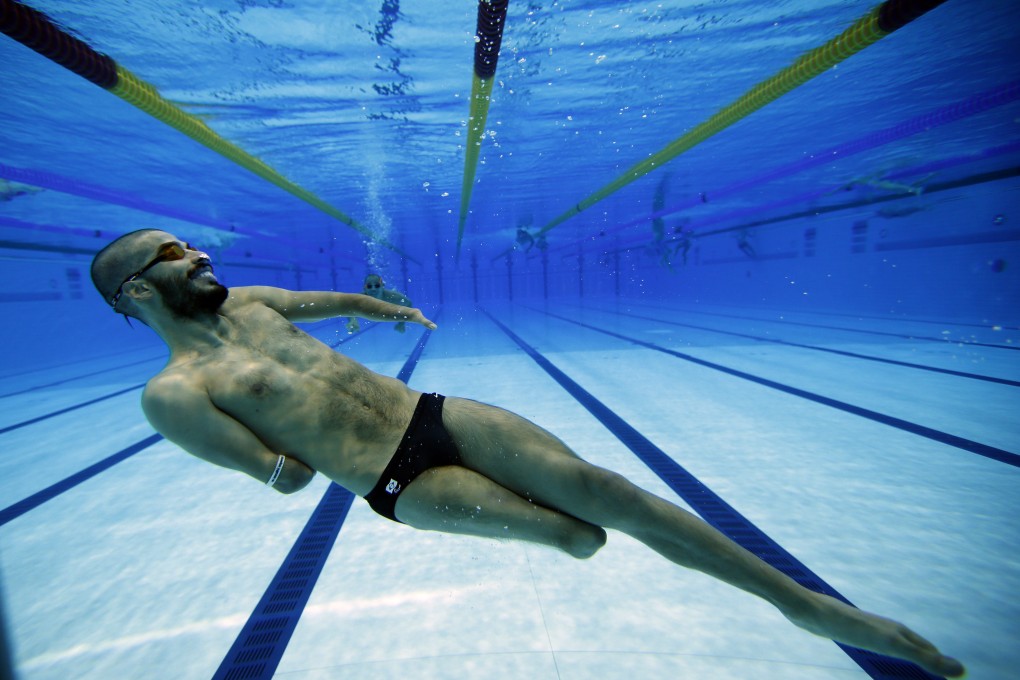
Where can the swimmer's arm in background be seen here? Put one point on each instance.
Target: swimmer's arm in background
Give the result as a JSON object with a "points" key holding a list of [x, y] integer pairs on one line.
{"points": [[397, 298], [317, 305], [185, 415]]}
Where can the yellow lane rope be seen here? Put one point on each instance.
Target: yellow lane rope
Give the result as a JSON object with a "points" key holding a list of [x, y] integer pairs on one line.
{"points": [[144, 96], [481, 90], [861, 34]]}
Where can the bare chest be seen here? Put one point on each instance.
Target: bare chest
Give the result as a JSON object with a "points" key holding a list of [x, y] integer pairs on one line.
{"points": [[270, 368]]}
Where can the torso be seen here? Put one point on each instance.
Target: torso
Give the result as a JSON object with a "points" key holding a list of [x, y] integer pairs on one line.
{"points": [[301, 398]]}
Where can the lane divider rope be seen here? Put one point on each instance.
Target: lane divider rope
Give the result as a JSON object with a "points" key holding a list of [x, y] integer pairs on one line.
{"points": [[34, 30], [488, 36], [869, 29]]}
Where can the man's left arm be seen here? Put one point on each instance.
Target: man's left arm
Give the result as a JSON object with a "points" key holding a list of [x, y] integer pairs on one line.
{"points": [[318, 305]]}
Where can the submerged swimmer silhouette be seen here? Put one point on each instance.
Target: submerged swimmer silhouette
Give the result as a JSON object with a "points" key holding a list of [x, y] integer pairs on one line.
{"points": [[247, 390], [373, 287]]}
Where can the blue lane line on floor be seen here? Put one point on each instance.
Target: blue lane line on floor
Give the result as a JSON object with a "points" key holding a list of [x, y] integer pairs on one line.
{"points": [[980, 449], [32, 421], [367, 328], [35, 500], [866, 357], [79, 377], [260, 645], [62, 411], [944, 341], [57, 367], [907, 319], [716, 511]]}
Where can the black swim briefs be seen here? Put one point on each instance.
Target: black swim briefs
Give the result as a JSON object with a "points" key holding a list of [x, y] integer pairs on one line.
{"points": [[426, 444]]}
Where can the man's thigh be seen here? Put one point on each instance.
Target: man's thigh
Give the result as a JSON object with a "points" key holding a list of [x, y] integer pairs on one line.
{"points": [[457, 500], [534, 464]]}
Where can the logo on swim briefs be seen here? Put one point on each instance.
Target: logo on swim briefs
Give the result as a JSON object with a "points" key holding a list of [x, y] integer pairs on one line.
{"points": [[393, 486]]}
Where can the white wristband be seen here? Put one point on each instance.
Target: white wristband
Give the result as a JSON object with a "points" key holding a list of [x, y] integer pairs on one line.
{"points": [[276, 472]]}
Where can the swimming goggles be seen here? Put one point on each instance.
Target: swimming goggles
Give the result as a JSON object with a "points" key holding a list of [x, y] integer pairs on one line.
{"points": [[168, 252]]}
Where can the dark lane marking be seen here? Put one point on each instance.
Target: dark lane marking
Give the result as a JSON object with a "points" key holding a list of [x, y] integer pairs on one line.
{"points": [[945, 341], [32, 421], [35, 500], [716, 511], [866, 357], [1000, 455]]}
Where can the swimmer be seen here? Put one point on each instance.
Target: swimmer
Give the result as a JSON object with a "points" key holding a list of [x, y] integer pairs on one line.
{"points": [[877, 182], [11, 190], [373, 287], [683, 242], [744, 245], [246, 389], [524, 240]]}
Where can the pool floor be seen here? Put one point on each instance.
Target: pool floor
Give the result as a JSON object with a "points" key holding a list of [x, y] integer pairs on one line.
{"points": [[880, 453]]}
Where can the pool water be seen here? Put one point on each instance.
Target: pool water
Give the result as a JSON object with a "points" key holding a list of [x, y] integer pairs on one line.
{"points": [[811, 316]]}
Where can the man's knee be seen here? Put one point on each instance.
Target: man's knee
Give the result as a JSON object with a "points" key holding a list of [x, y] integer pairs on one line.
{"points": [[610, 488], [585, 540]]}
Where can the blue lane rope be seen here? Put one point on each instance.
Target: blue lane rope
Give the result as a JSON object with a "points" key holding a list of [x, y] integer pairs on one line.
{"points": [[718, 512], [970, 445], [259, 647]]}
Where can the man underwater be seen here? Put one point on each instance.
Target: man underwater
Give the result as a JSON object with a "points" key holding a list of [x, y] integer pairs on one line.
{"points": [[373, 287], [246, 389]]}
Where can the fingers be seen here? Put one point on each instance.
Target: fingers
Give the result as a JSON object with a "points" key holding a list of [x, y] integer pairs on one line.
{"points": [[425, 322]]}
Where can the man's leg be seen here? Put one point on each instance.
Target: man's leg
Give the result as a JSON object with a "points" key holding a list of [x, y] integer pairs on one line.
{"points": [[460, 501], [521, 457]]}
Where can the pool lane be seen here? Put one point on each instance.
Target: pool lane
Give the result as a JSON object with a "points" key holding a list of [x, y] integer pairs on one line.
{"points": [[32, 500], [921, 335], [714, 510], [854, 355], [108, 521], [972, 416], [992, 452], [945, 355]]}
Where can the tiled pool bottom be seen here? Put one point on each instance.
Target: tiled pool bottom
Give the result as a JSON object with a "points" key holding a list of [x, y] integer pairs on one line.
{"points": [[152, 567]]}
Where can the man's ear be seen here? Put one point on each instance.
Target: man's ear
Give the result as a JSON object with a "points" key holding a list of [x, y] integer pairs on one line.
{"points": [[139, 290]]}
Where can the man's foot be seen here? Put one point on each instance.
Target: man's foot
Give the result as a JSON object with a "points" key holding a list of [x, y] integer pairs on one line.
{"points": [[830, 618]]}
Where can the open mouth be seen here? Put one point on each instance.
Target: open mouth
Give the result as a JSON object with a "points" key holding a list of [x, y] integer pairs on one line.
{"points": [[202, 272]]}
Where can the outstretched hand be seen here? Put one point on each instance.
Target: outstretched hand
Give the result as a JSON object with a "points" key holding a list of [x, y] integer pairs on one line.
{"points": [[417, 317]]}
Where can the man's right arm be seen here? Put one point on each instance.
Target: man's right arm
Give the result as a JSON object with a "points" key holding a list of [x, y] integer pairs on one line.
{"points": [[184, 414]]}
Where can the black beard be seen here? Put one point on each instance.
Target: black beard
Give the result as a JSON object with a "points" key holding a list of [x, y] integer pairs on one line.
{"points": [[186, 303]]}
